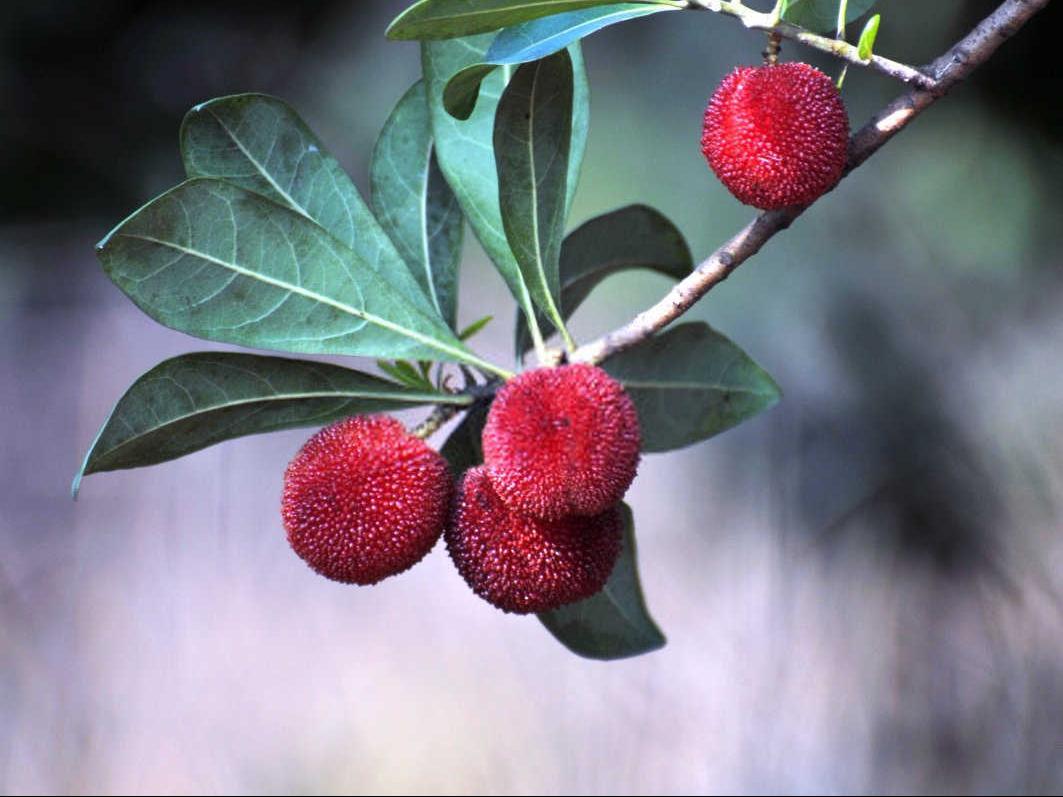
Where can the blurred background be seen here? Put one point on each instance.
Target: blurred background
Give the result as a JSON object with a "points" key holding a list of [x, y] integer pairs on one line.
{"points": [[862, 588]]}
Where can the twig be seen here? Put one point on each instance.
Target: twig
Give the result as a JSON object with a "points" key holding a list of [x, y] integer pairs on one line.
{"points": [[947, 71], [768, 21], [440, 415]]}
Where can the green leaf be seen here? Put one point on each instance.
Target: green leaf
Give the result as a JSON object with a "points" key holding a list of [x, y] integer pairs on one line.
{"points": [[533, 134], [866, 45], [196, 400], [464, 449], [614, 624], [415, 205], [632, 237], [539, 38], [404, 372], [259, 143], [447, 19], [822, 15], [466, 153], [219, 262], [475, 327], [536, 39], [690, 383], [463, 90]]}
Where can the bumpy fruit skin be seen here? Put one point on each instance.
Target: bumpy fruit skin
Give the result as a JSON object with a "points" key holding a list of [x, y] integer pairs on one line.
{"points": [[364, 500], [776, 135], [521, 564], [562, 441]]}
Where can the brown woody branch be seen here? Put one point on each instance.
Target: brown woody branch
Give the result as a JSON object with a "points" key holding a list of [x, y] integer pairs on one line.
{"points": [[947, 71]]}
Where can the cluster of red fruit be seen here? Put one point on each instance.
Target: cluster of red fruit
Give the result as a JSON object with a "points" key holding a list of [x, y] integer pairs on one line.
{"points": [[537, 525], [533, 528]]}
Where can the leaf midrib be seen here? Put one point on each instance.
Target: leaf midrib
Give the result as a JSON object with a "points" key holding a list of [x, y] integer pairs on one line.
{"points": [[298, 289], [540, 270], [262, 169], [424, 398]]}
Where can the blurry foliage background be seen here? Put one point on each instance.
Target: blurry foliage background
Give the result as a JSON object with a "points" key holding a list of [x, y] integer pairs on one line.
{"points": [[863, 589]]}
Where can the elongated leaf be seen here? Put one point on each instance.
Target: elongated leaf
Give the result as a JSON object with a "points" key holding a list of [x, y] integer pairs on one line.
{"points": [[822, 15], [690, 383], [632, 237], [219, 262], [539, 38], [614, 624], [447, 19], [868, 35], [196, 400], [466, 153], [536, 39], [464, 449], [475, 327], [533, 133], [259, 143], [415, 205], [403, 372]]}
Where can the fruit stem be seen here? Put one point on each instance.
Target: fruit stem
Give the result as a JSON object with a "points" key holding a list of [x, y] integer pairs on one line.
{"points": [[771, 51], [432, 424]]}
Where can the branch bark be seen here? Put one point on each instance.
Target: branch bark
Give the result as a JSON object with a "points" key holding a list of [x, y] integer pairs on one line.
{"points": [[946, 72], [768, 22]]}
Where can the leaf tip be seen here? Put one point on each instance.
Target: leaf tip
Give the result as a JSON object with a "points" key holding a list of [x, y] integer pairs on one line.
{"points": [[462, 90], [398, 30], [774, 394], [75, 485]]}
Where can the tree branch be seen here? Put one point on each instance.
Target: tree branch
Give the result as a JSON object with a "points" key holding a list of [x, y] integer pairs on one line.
{"points": [[770, 23], [947, 71]]}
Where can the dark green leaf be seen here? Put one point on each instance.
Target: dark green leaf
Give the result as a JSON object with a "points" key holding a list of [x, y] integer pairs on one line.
{"points": [[259, 143], [196, 400], [447, 19], [466, 153], [866, 45], [475, 327], [822, 15], [690, 383], [219, 262], [464, 449], [463, 90], [632, 237], [530, 41], [614, 624], [533, 132], [415, 205]]}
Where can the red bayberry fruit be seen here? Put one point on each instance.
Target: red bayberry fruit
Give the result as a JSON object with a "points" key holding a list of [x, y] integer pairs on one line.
{"points": [[364, 500], [562, 441], [776, 135], [521, 564]]}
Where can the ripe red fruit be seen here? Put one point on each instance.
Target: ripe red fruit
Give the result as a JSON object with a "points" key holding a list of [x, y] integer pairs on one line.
{"points": [[521, 564], [562, 441], [776, 135], [364, 500]]}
